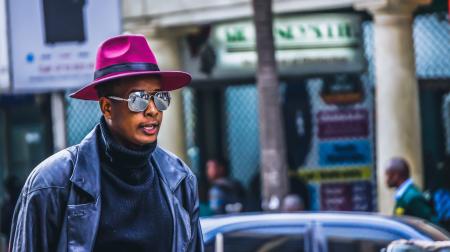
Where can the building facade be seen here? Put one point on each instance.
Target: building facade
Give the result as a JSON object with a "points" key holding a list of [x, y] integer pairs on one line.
{"points": [[356, 91], [342, 121]]}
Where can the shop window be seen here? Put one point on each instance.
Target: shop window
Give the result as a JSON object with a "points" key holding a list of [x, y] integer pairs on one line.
{"points": [[81, 117], [432, 53], [190, 115], [242, 131], [358, 239]]}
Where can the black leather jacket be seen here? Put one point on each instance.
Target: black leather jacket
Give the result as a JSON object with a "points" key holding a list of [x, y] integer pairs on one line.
{"points": [[59, 206]]}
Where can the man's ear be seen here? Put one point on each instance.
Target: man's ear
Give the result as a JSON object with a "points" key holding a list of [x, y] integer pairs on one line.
{"points": [[105, 107]]}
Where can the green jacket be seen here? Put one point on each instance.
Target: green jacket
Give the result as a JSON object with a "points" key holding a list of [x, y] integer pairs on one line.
{"points": [[413, 203]]}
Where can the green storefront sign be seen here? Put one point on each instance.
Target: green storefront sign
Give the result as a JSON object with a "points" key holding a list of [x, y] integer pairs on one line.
{"points": [[293, 35], [305, 45]]}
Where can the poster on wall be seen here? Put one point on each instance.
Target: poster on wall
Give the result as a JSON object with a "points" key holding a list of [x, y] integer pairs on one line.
{"points": [[345, 152], [338, 167], [343, 123], [54, 42], [4, 68]]}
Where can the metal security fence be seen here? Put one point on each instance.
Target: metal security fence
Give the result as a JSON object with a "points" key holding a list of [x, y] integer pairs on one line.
{"points": [[432, 45], [242, 131], [369, 75], [81, 117], [431, 34], [190, 120]]}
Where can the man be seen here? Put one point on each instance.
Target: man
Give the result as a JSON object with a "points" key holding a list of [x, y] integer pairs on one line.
{"points": [[225, 195], [117, 190], [292, 203], [408, 198]]}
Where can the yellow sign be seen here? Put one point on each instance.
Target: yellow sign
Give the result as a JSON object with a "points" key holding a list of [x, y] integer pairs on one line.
{"points": [[335, 174]]}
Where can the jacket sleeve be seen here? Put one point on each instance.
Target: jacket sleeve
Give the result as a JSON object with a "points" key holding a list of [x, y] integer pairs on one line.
{"points": [[34, 224], [196, 243]]}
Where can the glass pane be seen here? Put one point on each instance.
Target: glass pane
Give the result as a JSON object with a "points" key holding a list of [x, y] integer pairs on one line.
{"points": [[269, 239], [242, 131], [359, 239], [27, 149], [81, 117]]}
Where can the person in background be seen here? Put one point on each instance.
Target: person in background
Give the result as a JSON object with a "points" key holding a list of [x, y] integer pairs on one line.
{"points": [[408, 198], [205, 210], [253, 202], [292, 203], [225, 195], [298, 195], [441, 195], [297, 186]]}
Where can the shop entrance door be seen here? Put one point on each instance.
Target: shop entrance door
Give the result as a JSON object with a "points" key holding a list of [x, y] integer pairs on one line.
{"points": [[435, 122]]}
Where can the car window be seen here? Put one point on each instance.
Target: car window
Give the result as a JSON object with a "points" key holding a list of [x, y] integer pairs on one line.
{"points": [[263, 239], [359, 239]]}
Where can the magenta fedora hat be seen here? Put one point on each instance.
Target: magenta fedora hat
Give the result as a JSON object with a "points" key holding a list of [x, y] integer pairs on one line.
{"points": [[128, 55]]}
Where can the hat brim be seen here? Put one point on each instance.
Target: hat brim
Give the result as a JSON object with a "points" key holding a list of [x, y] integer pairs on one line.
{"points": [[170, 80]]}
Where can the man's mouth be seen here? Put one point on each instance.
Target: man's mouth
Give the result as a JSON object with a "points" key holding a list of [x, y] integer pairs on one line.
{"points": [[150, 128]]}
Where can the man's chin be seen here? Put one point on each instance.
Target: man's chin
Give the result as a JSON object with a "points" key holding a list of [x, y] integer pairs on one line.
{"points": [[147, 140]]}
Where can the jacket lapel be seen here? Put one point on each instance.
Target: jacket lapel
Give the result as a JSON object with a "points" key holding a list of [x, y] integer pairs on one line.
{"points": [[86, 173], [83, 217], [171, 176]]}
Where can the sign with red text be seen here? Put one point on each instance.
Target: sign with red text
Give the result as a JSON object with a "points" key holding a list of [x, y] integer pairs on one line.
{"points": [[343, 123]]}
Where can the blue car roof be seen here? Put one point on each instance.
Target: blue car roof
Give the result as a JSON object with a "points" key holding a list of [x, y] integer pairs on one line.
{"points": [[418, 228]]}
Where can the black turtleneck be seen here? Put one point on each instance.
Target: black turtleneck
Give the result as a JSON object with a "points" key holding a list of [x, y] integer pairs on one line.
{"points": [[135, 215]]}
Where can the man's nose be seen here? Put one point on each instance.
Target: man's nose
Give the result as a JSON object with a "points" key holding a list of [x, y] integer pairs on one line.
{"points": [[151, 109]]}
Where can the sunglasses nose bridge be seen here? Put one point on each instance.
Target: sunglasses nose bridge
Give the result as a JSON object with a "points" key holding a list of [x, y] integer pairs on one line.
{"points": [[151, 106]]}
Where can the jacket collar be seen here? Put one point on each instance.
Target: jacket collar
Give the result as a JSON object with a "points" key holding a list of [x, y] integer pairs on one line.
{"points": [[402, 188], [86, 173]]}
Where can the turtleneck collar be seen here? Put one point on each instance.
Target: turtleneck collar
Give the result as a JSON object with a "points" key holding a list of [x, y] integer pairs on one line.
{"points": [[130, 165]]}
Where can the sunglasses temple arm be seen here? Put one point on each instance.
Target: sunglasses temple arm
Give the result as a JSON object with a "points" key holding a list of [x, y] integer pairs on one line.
{"points": [[117, 98]]}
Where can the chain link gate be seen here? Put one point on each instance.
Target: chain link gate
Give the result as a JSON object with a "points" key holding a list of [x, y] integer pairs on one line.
{"points": [[81, 117]]}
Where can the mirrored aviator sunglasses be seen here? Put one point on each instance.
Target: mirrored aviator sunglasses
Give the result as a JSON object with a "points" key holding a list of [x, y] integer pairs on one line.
{"points": [[138, 101]]}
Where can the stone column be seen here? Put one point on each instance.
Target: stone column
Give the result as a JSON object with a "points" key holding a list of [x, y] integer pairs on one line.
{"points": [[172, 134], [397, 102], [165, 46], [58, 121]]}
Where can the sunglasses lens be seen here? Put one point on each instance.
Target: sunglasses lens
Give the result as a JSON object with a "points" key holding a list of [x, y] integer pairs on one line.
{"points": [[137, 103], [162, 100]]}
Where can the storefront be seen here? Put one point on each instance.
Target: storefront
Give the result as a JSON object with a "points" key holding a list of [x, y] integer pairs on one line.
{"points": [[327, 104]]}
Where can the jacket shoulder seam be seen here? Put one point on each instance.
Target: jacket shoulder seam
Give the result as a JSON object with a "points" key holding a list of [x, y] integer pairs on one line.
{"points": [[43, 188]]}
